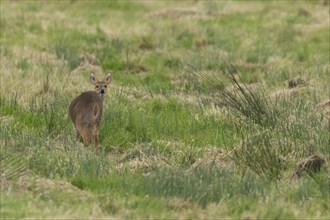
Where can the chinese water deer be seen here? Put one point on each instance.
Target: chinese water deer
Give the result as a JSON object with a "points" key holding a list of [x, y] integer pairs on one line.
{"points": [[86, 110]]}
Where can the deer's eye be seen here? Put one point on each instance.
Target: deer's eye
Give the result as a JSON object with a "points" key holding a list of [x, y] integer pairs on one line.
{"points": [[105, 86], [97, 87]]}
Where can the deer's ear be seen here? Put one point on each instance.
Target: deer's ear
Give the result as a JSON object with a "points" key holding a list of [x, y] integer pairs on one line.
{"points": [[108, 78], [93, 78]]}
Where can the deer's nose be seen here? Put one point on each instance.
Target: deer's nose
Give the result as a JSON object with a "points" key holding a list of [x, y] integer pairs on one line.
{"points": [[102, 91]]}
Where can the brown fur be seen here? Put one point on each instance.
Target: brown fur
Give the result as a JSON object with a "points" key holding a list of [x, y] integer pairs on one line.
{"points": [[86, 111]]}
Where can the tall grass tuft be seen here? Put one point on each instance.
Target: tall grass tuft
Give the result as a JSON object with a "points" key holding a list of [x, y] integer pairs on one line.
{"points": [[244, 101], [276, 132]]}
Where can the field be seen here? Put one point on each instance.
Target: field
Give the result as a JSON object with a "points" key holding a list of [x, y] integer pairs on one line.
{"points": [[217, 109]]}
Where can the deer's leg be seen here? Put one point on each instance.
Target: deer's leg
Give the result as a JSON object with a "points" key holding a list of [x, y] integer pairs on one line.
{"points": [[96, 136], [85, 135]]}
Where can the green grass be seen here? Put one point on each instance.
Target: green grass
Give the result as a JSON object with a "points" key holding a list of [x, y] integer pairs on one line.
{"points": [[198, 122]]}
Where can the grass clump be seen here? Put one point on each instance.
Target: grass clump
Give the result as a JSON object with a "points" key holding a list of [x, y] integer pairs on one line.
{"points": [[245, 102], [278, 131]]}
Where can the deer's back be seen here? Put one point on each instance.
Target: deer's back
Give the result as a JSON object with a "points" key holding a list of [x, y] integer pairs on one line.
{"points": [[86, 108]]}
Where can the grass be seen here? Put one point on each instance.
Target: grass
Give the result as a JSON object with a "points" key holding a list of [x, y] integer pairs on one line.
{"points": [[199, 121]]}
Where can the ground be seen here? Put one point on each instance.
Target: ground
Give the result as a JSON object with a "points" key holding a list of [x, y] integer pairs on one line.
{"points": [[217, 109]]}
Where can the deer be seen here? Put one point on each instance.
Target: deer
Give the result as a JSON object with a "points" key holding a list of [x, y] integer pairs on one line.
{"points": [[86, 111]]}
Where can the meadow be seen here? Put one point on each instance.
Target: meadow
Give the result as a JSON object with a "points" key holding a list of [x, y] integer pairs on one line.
{"points": [[217, 109]]}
